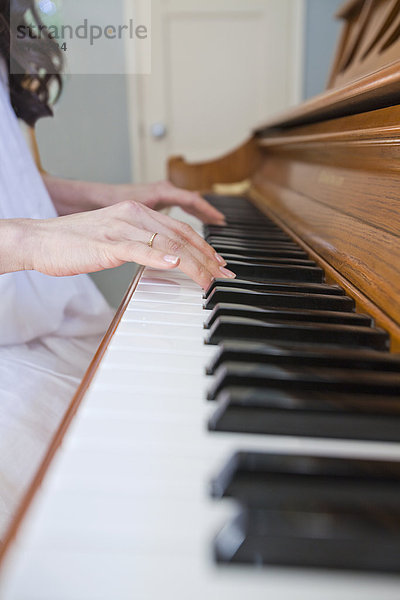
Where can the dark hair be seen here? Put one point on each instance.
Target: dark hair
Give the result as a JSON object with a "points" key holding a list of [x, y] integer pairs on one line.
{"points": [[34, 65]]}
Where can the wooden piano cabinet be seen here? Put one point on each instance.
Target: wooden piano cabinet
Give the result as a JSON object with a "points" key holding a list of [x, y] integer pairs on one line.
{"points": [[235, 166]]}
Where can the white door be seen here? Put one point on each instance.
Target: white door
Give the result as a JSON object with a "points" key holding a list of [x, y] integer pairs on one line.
{"points": [[219, 68]]}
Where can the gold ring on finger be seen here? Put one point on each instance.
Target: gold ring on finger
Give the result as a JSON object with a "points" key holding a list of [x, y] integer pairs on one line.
{"points": [[151, 240]]}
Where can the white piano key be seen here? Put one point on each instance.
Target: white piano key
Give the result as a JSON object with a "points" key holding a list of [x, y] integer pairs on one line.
{"points": [[163, 360], [160, 329], [169, 288], [156, 386], [172, 276], [138, 306], [138, 524], [155, 282], [102, 399], [142, 341], [168, 298], [164, 318]]}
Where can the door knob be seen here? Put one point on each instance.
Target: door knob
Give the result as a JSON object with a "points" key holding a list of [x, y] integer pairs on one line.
{"points": [[158, 131]]}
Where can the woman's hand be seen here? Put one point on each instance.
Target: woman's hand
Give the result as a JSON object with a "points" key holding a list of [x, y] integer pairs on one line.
{"points": [[163, 195], [76, 196], [108, 237]]}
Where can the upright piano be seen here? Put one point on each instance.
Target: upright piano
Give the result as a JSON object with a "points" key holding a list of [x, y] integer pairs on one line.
{"points": [[244, 441]]}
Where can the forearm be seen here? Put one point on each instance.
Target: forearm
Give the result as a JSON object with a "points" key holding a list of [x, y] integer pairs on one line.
{"points": [[81, 196], [14, 245], [70, 196]]}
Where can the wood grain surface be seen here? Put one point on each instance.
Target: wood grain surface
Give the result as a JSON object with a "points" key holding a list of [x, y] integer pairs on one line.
{"points": [[238, 165]]}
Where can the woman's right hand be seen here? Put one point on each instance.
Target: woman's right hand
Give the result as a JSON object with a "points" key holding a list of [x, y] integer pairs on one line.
{"points": [[108, 237]]}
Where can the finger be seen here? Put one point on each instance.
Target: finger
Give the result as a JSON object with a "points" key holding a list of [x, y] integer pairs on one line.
{"points": [[200, 267], [193, 266], [193, 263], [142, 254], [194, 204], [197, 206], [139, 216], [175, 244], [185, 231]]}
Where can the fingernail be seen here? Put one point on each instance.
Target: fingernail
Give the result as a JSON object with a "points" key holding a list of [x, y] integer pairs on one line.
{"points": [[172, 260], [227, 273], [220, 259]]}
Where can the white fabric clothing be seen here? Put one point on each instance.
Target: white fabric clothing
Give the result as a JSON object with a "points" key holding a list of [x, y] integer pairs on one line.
{"points": [[37, 383], [33, 305]]}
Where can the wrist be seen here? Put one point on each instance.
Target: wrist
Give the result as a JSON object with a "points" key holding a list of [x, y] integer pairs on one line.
{"points": [[15, 254]]}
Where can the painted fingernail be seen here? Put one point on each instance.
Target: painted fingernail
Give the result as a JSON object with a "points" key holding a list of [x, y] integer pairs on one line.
{"points": [[220, 259], [227, 273], [172, 260]]}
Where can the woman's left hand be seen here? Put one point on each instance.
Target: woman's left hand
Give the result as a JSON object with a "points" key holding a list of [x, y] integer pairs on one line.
{"points": [[80, 196], [163, 195]]}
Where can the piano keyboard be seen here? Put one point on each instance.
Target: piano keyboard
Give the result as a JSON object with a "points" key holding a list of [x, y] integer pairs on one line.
{"points": [[159, 492]]}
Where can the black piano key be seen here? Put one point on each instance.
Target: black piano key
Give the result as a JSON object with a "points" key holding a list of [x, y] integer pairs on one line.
{"points": [[270, 271], [228, 201], [275, 244], [256, 244], [244, 211], [268, 259], [248, 211], [267, 236], [226, 328], [269, 314], [242, 227], [269, 251], [246, 216], [232, 295], [262, 286], [318, 356], [305, 482], [365, 540], [305, 378], [246, 231], [241, 218], [241, 214], [316, 414]]}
